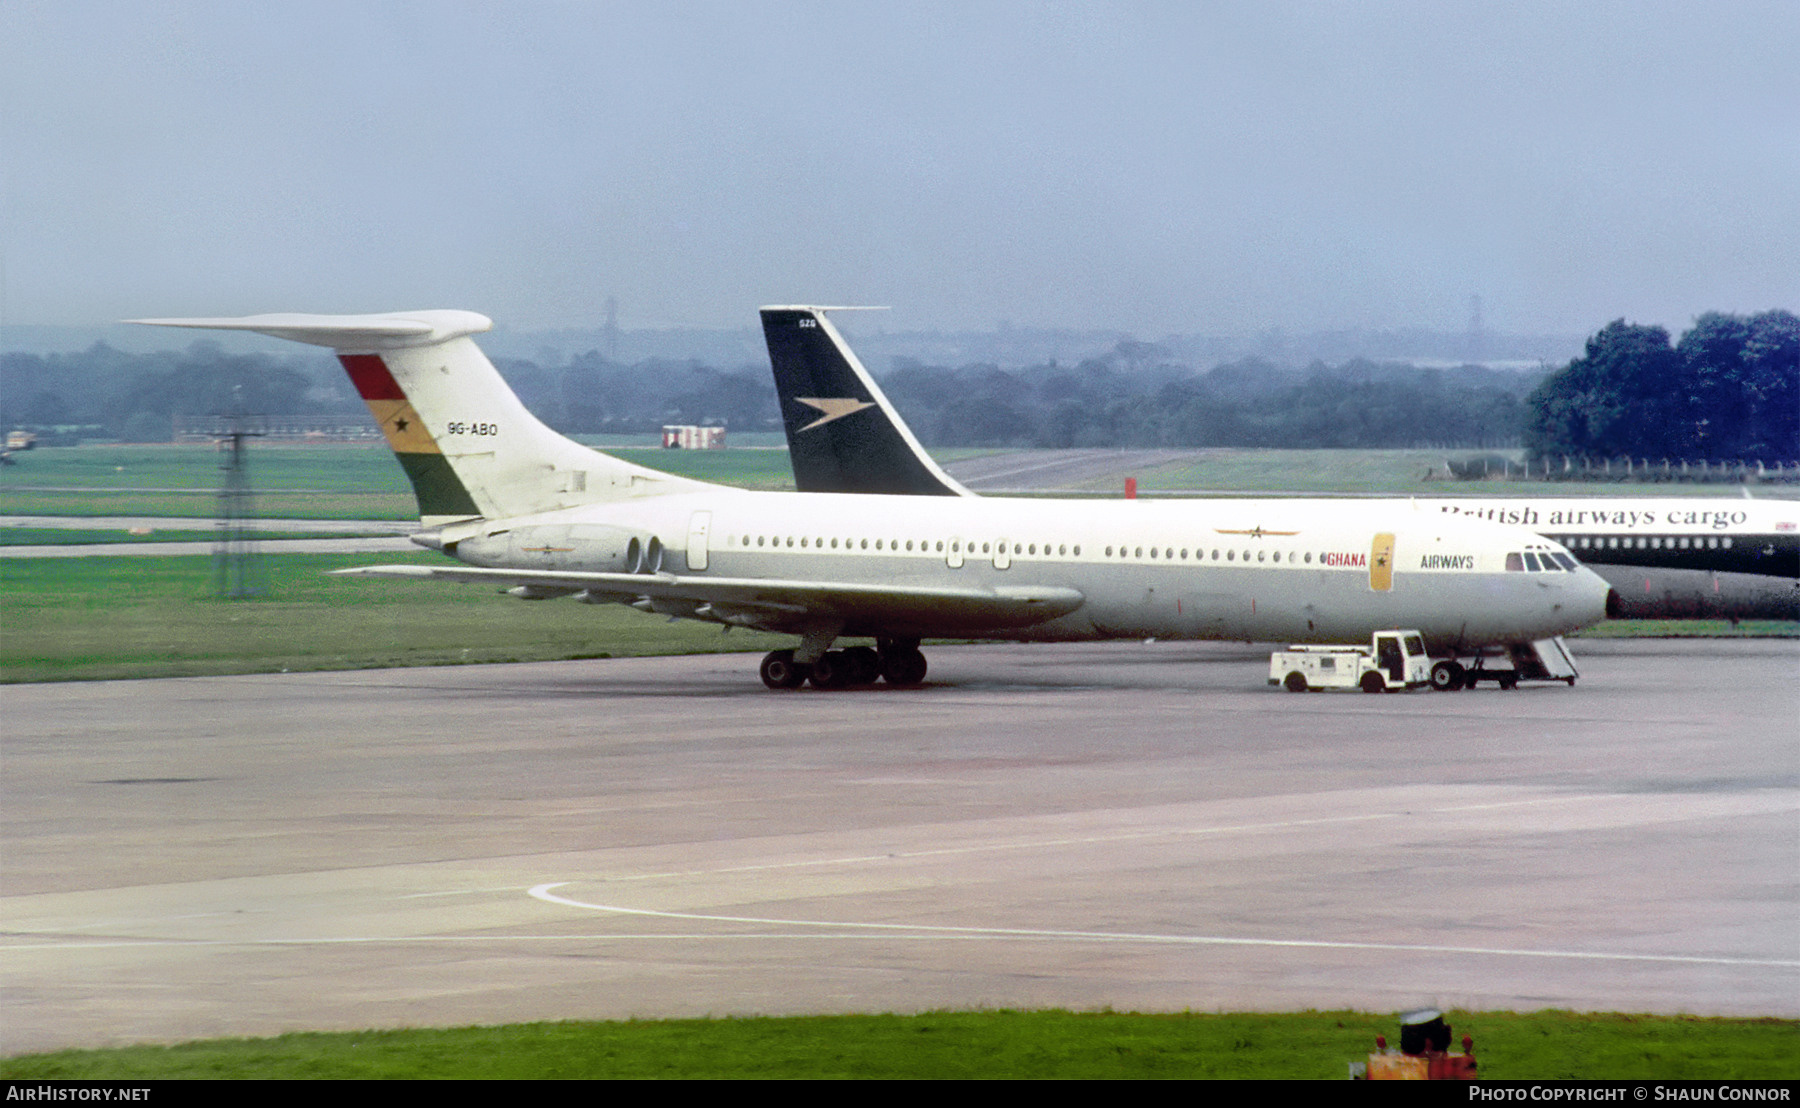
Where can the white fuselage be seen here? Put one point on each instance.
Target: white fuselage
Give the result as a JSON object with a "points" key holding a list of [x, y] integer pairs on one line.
{"points": [[1254, 570]]}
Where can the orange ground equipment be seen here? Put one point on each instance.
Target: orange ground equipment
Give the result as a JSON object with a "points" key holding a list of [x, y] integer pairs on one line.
{"points": [[1424, 1053]]}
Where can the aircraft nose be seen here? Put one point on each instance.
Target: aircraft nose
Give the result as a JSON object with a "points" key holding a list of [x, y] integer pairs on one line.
{"points": [[1593, 598]]}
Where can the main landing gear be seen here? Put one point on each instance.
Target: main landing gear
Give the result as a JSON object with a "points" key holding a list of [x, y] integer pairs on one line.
{"points": [[896, 661]]}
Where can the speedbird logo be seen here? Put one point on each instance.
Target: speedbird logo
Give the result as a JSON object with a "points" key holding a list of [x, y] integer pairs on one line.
{"points": [[833, 408]]}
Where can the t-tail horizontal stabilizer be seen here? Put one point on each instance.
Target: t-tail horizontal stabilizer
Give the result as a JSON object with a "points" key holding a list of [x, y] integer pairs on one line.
{"points": [[843, 435], [470, 448]]}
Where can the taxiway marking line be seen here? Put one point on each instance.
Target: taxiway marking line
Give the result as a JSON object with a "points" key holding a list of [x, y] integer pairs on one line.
{"points": [[923, 930]]}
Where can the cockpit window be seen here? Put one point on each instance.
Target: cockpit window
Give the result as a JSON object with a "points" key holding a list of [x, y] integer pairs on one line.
{"points": [[1515, 563], [1531, 562], [1565, 561]]}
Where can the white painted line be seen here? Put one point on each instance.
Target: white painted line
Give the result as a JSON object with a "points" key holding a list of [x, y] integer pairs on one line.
{"points": [[544, 893]]}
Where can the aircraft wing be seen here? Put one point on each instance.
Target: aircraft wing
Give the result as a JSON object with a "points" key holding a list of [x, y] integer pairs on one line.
{"points": [[932, 610]]}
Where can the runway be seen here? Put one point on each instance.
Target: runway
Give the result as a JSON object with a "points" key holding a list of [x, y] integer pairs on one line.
{"points": [[1141, 826]]}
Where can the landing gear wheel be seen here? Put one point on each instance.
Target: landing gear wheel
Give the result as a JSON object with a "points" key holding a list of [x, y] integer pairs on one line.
{"points": [[1295, 683], [865, 664], [1372, 683], [830, 672], [1509, 683], [780, 671], [1447, 676], [903, 667]]}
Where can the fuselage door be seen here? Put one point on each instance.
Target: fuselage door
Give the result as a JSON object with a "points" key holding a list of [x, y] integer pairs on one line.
{"points": [[698, 528], [953, 554], [1002, 555], [1381, 563]]}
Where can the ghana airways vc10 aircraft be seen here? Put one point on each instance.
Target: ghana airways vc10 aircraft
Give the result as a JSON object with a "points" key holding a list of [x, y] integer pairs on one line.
{"points": [[1666, 557], [529, 510]]}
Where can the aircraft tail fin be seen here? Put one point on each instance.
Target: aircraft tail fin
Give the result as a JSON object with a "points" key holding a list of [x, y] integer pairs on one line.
{"points": [[468, 445], [843, 435]]}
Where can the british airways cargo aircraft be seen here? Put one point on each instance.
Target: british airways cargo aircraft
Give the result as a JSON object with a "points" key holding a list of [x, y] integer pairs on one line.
{"points": [[1667, 558], [523, 507]]}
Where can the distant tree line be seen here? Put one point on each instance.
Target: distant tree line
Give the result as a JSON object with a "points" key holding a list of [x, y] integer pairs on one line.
{"points": [[1131, 398], [106, 393], [1729, 389]]}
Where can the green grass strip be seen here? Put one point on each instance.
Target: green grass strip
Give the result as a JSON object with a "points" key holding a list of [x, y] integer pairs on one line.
{"points": [[71, 536], [996, 1044], [324, 481], [110, 617], [1692, 629]]}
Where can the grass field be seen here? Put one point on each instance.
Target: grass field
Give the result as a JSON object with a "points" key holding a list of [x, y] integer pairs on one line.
{"points": [[304, 482], [339, 481], [325, 481], [112, 617], [1226, 471], [1692, 629], [1363, 472], [78, 536], [1003, 1044]]}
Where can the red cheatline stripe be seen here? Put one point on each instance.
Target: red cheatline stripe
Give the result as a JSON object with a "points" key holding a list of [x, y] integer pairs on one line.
{"points": [[371, 377]]}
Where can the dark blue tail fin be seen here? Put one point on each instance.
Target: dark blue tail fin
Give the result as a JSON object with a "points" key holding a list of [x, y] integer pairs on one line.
{"points": [[843, 435]]}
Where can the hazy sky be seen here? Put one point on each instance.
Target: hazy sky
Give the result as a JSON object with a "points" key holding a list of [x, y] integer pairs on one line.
{"points": [[1157, 167]]}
